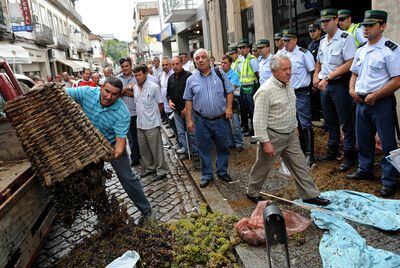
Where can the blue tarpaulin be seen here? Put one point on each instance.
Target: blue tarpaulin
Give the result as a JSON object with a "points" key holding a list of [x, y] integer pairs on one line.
{"points": [[341, 245]]}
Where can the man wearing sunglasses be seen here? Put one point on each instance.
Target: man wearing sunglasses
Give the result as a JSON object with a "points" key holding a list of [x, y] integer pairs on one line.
{"points": [[355, 29], [375, 78], [335, 56]]}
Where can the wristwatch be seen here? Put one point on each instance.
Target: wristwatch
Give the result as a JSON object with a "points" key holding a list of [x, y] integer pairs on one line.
{"points": [[326, 77]]}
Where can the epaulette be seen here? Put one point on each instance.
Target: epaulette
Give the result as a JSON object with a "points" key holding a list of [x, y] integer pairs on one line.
{"points": [[344, 35], [390, 45], [363, 44], [302, 49]]}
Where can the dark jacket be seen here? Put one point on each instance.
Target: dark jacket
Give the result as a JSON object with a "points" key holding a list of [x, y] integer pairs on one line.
{"points": [[176, 87]]}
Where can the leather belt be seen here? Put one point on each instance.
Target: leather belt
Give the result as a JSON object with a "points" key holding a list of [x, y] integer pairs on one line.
{"points": [[221, 116]]}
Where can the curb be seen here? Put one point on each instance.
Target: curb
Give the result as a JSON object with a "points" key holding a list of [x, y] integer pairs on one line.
{"points": [[248, 256]]}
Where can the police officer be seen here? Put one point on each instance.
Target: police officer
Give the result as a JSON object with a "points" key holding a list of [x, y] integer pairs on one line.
{"points": [[263, 46], [303, 65], [315, 32], [279, 44], [335, 56], [355, 29], [233, 53], [375, 78], [256, 54], [248, 75]]}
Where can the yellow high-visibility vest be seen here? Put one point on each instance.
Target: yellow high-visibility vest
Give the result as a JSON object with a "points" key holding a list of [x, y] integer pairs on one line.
{"points": [[247, 75]]}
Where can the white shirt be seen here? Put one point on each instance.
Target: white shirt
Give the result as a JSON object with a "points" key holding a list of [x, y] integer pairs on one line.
{"points": [[164, 84], [302, 66], [281, 51], [147, 99], [158, 72], [189, 66], [334, 53], [375, 65]]}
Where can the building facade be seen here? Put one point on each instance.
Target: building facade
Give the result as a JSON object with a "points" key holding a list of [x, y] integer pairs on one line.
{"points": [[51, 32]]}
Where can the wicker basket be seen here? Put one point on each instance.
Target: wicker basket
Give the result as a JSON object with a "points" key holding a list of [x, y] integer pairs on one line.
{"points": [[55, 133]]}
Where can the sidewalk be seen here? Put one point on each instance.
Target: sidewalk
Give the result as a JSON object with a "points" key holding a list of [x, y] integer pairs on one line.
{"points": [[303, 248], [171, 199]]}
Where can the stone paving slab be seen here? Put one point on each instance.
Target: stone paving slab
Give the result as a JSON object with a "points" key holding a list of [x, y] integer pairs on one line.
{"points": [[171, 199]]}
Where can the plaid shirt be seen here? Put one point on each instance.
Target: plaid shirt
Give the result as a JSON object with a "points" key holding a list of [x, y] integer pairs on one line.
{"points": [[275, 109]]}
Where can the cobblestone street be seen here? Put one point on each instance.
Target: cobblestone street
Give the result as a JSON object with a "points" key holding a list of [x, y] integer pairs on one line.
{"points": [[171, 199]]}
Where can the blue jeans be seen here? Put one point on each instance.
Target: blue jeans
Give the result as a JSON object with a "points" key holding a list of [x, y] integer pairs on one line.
{"points": [[131, 183], [133, 140], [181, 129], [369, 120], [215, 131], [303, 107], [236, 137], [337, 108]]}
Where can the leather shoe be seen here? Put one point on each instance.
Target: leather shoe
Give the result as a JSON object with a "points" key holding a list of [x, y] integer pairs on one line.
{"points": [[387, 191], [254, 199], [205, 183], [360, 176], [319, 201], [148, 173], [225, 177], [160, 177]]}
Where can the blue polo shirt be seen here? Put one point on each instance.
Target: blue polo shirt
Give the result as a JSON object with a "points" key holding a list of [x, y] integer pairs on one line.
{"points": [[207, 93], [112, 121]]}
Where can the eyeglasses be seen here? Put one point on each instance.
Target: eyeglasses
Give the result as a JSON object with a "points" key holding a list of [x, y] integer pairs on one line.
{"points": [[312, 31], [343, 18]]}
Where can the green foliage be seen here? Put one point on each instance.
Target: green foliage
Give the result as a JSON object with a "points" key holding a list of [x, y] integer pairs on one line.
{"points": [[115, 49], [204, 238]]}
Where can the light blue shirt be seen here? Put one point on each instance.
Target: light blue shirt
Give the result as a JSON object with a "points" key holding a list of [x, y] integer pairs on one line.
{"points": [[112, 121], [334, 53], [302, 66], [375, 65], [265, 69], [207, 93], [281, 51], [147, 99], [233, 76], [129, 101]]}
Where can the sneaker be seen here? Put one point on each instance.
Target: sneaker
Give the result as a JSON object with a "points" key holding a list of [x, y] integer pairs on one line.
{"points": [[181, 151]]}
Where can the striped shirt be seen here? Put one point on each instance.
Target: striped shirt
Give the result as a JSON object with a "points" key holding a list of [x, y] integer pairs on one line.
{"points": [[129, 101], [112, 121], [274, 108], [207, 93]]}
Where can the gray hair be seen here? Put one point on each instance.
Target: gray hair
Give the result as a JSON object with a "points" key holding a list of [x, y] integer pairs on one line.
{"points": [[166, 58], [200, 50], [275, 63]]}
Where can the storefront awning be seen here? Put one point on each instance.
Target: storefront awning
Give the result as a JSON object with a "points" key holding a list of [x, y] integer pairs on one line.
{"points": [[14, 54], [71, 63], [83, 64]]}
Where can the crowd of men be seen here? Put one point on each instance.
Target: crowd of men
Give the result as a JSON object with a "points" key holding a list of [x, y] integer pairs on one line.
{"points": [[350, 72]]}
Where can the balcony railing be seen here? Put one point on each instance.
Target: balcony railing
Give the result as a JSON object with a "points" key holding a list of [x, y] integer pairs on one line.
{"points": [[63, 41], [178, 10], [43, 34], [81, 47]]}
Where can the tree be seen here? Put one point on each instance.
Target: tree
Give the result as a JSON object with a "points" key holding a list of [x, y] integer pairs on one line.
{"points": [[115, 49]]}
